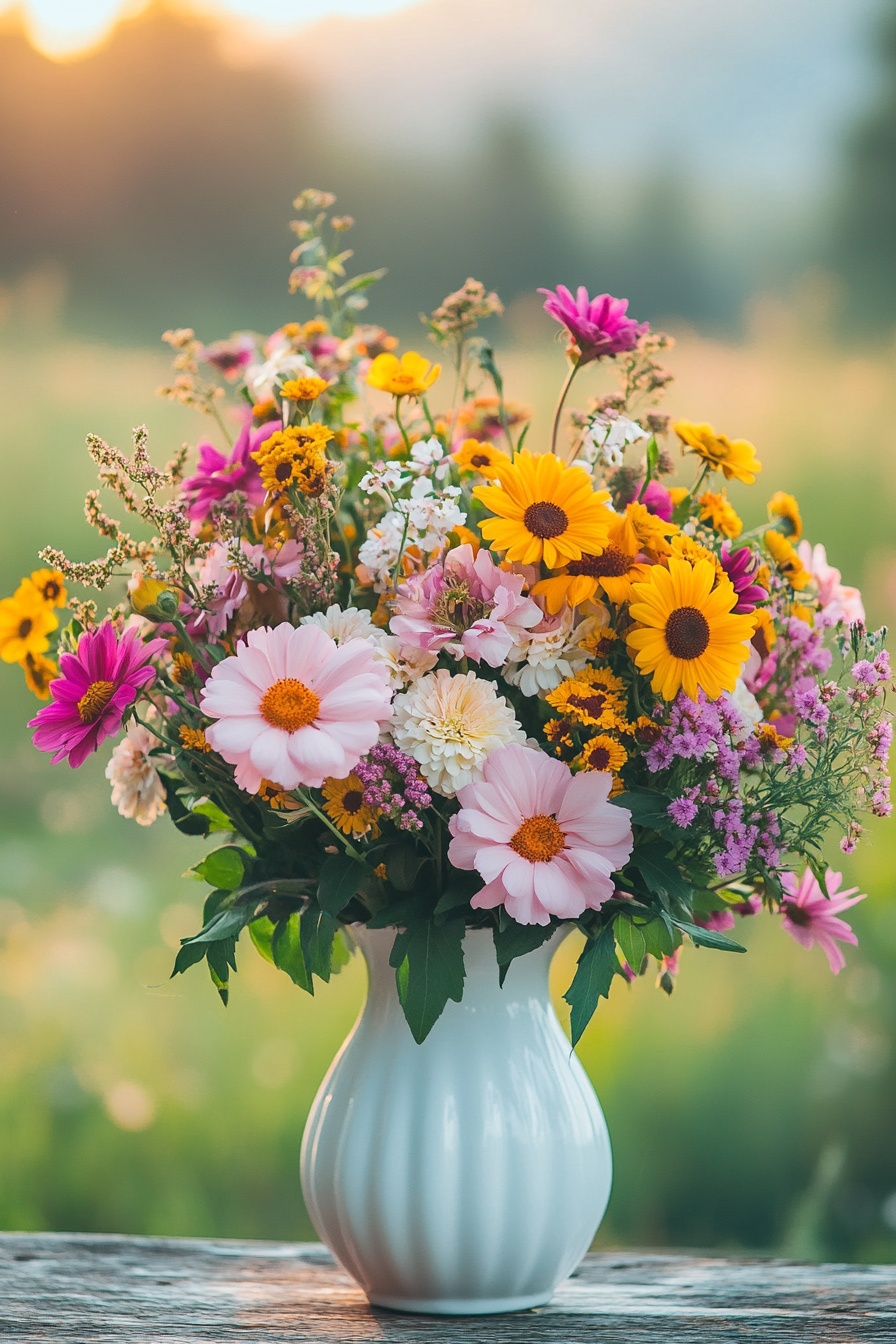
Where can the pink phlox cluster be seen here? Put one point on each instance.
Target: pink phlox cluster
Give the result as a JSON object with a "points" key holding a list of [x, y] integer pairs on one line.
{"points": [[466, 606], [394, 786]]}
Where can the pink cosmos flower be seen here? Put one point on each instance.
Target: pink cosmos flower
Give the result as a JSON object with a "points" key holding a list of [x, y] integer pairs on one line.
{"points": [[97, 684], [294, 707], [230, 357], [838, 603], [598, 326], [466, 606], [217, 475], [810, 916], [546, 841]]}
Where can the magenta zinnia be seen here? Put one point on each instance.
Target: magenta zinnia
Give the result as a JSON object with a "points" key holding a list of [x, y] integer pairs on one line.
{"points": [[88, 700], [810, 914], [217, 476], [598, 326]]}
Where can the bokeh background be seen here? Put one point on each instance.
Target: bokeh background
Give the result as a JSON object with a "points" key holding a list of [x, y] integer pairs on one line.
{"points": [[732, 169]]}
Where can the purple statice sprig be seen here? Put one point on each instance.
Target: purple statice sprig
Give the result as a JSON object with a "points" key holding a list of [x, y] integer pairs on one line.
{"points": [[394, 786]]}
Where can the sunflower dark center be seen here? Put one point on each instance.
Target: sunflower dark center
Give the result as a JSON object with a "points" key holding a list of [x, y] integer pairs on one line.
{"points": [[544, 519], [283, 471], [687, 633], [599, 758], [25, 628], [590, 704], [611, 565], [480, 460], [352, 800]]}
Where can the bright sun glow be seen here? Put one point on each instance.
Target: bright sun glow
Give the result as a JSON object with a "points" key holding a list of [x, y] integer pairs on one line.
{"points": [[59, 27]]}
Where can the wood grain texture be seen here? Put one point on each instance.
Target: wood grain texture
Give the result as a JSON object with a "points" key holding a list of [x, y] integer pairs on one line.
{"points": [[140, 1290]]}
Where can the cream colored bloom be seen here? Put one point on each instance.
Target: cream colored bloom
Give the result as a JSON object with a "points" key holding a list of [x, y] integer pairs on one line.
{"points": [[342, 624], [450, 724], [550, 653], [137, 788]]}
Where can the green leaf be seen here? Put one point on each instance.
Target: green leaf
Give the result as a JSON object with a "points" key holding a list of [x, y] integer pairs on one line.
{"points": [[224, 925], [397, 914], [188, 956], [659, 938], [708, 937], [318, 929], [516, 940], [661, 874], [223, 868], [221, 957], [403, 864], [286, 950], [819, 870], [218, 820], [340, 878], [342, 951], [458, 893], [185, 821], [431, 972], [594, 974], [647, 808], [632, 943], [261, 931]]}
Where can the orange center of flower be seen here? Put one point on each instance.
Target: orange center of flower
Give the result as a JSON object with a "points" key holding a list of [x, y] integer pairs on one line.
{"points": [[289, 704], [687, 633], [544, 519], [94, 700], [612, 564], [352, 800], [50, 590], [539, 839]]}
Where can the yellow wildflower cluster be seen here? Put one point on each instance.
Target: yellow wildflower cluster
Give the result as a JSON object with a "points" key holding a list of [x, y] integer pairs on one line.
{"points": [[27, 619], [295, 458]]}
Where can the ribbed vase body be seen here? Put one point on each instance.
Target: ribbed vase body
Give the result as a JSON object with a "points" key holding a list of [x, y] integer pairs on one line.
{"points": [[467, 1174]]}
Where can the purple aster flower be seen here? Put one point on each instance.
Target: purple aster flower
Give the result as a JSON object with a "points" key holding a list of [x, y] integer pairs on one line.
{"points": [[682, 811], [598, 326], [97, 684], [742, 566], [394, 786], [218, 476]]}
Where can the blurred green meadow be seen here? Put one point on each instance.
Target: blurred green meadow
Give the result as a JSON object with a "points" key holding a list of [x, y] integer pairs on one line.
{"points": [[752, 1110]]}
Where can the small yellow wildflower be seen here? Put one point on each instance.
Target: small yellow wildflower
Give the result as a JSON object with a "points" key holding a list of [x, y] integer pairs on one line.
{"points": [[559, 732], [678, 493], [764, 635], [716, 510], [344, 804], [50, 583], [26, 621], [584, 702], [193, 739], [264, 410], [276, 798], [785, 507], [787, 560], [603, 753], [480, 457], [380, 872], [804, 614], [303, 389], [410, 376], [295, 457], [39, 672], [182, 670], [770, 739], [735, 457], [145, 595], [598, 642]]}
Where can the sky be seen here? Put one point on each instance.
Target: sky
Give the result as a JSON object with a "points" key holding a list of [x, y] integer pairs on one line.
{"points": [[61, 26]]}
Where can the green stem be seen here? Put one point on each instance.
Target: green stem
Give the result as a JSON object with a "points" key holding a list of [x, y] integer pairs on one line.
{"points": [[398, 421], [322, 816], [564, 392]]}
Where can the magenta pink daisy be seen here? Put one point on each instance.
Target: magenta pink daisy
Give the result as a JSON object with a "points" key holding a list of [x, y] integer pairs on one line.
{"points": [[295, 708], [810, 915], [598, 326], [545, 841], [217, 476], [97, 684]]}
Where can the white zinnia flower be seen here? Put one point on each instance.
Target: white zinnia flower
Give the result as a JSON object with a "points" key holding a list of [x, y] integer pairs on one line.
{"points": [[405, 663], [137, 788], [341, 625], [548, 654], [449, 724]]}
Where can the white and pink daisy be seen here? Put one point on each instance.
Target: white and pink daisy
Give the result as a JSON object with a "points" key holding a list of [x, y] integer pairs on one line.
{"points": [[546, 841], [810, 915], [466, 606], [295, 708]]}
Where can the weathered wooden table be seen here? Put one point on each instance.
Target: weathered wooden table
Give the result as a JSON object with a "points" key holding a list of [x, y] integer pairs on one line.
{"points": [[138, 1290]]}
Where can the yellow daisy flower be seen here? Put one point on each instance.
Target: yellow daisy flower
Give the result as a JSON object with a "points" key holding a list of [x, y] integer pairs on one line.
{"points": [[603, 753], [303, 389], [50, 583], [39, 672], [410, 376], [598, 642], [716, 510], [546, 511], [686, 548], [785, 507], [344, 804], [480, 457], [787, 560], [295, 456], [613, 570], [687, 635], [26, 621], [194, 739], [735, 457], [587, 701], [764, 635], [277, 798], [559, 732]]}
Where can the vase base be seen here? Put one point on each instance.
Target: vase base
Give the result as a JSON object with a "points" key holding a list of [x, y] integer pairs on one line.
{"points": [[460, 1306]]}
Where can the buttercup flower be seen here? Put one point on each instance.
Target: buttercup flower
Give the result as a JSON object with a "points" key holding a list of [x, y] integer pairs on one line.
{"points": [[293, 707], [344, 804], [716, 510], [735, 457], [483, 458], [450, 724], [97, 684], [545, 841], [811, 915], [410, 376], [688, 636], [26, 622], [137, 788], [599, 326], [546, 510]]}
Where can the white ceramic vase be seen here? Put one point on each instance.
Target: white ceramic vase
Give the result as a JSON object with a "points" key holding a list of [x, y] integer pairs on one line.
{"points": [[468, 1174]]}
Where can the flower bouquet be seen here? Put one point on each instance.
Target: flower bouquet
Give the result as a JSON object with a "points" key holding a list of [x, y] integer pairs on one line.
{"points": [[425, 668]]}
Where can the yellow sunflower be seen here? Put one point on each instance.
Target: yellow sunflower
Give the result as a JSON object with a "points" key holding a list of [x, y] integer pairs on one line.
{"points": [[295, 456], [344, 804], [480, 457], [588, 698], [613, 570], [716, 510], [603, 753], [735, 457], [410, 376], [787, 560], [39, 672], [784, 507], [546, 511], [26, 621], [687, 635]]}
